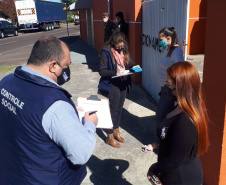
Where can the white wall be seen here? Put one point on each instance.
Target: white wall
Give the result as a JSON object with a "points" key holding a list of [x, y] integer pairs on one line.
{"points": [[156, 15]]}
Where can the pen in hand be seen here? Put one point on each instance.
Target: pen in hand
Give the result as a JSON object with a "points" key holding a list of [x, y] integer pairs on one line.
{"points": [[93, 112]]}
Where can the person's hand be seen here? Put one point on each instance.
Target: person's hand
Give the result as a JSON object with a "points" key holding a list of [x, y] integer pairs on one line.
{"points": [[136, 66], [149, 177], [80, 109], [93, 118], [149, 174], [120, 70], [152, 177]]}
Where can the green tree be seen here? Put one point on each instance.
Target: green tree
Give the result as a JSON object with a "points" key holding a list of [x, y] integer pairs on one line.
{"points": [[71, 14], [70, 17]]}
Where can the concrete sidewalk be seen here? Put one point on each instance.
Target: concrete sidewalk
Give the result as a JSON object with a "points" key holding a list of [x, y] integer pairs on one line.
{"points": [[108, 165], [114, 166], [128, 164]]}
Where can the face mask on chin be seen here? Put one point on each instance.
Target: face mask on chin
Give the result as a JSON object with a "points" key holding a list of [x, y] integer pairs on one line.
{"points": [[64, 76], [168, 93]]}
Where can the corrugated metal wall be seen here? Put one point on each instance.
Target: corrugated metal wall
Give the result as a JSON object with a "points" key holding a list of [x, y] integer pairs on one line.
{"points": [[156, 15]]}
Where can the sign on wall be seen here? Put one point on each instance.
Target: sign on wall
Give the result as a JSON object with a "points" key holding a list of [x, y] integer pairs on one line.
{"points": [[158, 14]]}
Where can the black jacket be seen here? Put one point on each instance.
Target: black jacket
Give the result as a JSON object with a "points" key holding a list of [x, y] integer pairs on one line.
{"points": [[178, 161], [123, 27], [109, 28], [107, 69]]}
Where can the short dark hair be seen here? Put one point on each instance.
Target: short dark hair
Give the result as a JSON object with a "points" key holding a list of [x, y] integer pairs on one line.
{"points": [[46, 49], [120, 15]]}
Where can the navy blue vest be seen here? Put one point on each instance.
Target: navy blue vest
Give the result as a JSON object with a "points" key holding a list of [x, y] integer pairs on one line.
{"points": [[27, 154], [105, 83]]}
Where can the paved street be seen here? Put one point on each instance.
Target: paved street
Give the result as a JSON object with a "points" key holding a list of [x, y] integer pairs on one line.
{"points": [[16, 50]]}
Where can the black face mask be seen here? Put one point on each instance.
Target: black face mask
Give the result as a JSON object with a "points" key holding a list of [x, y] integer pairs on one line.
{"points": [[168, 93], [119, 50], [64, 76]]}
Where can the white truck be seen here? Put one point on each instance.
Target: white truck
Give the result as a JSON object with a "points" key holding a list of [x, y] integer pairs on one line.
{"points": [[39, 14]]}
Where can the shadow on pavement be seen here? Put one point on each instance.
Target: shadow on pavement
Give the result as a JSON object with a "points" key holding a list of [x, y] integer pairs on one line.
{"points": [[100, 133], [139, 118], [140, 125], [81, 52], [137, 93], [107, 171], [70, 40], [143, 129]]}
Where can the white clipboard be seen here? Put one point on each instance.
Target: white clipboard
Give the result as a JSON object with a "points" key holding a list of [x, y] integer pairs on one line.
{"points": [[126, 72], [93, 103], [129, 72]]}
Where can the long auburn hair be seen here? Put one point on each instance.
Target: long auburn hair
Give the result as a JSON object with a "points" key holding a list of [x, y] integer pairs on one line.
{"points": [[116, 38], [171, 32], [190, 99]]}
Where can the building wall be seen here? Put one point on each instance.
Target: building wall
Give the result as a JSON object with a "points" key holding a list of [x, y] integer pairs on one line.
{"points": [[197, 27], [98, 23], [214, 83], [132, 15], [203, 33], [83, 27]]}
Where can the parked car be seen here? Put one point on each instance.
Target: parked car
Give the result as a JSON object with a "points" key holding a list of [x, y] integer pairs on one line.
{"points": [[76, 20], [7, 28]]}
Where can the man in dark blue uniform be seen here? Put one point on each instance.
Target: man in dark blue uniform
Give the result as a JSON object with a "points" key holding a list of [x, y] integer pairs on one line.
{"points": [[41, 138]]}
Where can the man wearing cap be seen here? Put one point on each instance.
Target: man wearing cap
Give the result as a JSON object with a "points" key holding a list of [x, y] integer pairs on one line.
{"points": [[41, 138], [109, 27]]}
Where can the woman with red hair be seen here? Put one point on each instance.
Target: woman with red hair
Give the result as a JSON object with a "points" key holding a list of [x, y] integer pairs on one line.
{"points": [[184, 133]]}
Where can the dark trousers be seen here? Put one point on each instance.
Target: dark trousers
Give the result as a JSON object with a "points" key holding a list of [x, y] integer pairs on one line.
{"points": [[116, 98], [164, 107]]}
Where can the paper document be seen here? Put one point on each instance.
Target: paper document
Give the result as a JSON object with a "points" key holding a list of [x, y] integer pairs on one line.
{"points": [[126, 72], [129, 72], [102, 108]]}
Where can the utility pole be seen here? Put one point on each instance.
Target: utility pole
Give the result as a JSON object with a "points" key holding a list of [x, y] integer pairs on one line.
{"points": [[67, 25], [66, 10]]}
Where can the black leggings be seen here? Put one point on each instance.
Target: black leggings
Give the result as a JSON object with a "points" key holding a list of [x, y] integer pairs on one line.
{"points": [[117, 98]]}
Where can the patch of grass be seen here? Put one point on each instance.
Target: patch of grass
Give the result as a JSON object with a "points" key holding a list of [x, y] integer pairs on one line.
{"points": [[5, 69]]}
